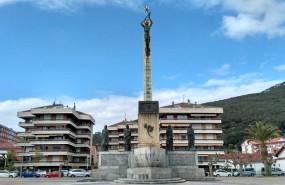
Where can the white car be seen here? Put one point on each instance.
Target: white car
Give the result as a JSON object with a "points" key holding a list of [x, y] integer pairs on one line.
{"points": [[65, 172], [78, 173], [222, 173], [5, 173], [42, 173]]}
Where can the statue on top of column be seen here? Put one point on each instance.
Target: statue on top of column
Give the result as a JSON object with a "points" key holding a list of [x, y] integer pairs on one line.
{"points": [[146, 24]]}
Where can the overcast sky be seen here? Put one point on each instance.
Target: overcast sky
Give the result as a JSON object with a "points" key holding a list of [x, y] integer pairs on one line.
{"points": [[90, 52]]}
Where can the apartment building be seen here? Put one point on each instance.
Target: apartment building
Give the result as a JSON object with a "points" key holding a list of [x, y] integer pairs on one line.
{"points": [[7, 135], [205, 121], [116, 135], [61, 134]]}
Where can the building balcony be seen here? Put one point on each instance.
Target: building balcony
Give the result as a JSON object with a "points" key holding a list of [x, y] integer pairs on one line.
{"points": [[54, 122], [208, 142], [54, 132], [23, 154], [114, 142], [26, 124], [80, 154], [113, 136], [84, 127], [198, 142], [165, 122], [196, 131], [82, 145], [52, 152], [208, 131], [210, 151], [23, 144], [25, 134], [52, 142], [82, 135]]}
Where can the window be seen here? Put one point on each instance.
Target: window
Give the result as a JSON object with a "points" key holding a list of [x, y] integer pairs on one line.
{"points": [[56, 147], [182, 117], [59, 116], [47, 116], [183, 137], [170, 117]]}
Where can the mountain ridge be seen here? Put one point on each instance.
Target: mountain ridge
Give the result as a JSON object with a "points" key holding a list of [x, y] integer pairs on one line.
{"points": [[242, 111]]}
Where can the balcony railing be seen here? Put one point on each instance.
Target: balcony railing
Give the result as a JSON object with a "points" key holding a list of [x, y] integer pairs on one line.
{"points": [[190, 118]]}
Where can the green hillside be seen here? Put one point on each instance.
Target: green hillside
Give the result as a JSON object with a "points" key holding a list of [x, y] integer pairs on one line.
{"points": [[241, 111]]}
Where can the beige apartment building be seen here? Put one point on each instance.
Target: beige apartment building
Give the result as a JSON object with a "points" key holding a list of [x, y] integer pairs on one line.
{"points": [[205, 120], [61, 134]]}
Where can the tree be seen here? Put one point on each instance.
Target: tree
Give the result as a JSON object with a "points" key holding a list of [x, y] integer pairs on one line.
{"points": [[11, 158], [263, 132], [38, 156], [97, 139], [213, 159]]}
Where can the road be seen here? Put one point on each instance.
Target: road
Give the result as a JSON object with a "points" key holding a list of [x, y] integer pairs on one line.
{"points": [[73, 181]]}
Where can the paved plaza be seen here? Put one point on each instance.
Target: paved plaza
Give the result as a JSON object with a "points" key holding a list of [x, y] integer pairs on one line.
{"points": [[220, 181]]}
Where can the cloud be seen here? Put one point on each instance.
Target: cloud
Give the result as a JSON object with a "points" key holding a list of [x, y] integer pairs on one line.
{"points": [[112, 108], [280, 67], [223, 70], [254, 17], [244, 18]]}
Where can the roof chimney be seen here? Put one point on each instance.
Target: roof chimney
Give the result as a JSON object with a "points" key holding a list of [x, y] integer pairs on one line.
{"points": [[74, 107], [188, 101], [173, 103]]}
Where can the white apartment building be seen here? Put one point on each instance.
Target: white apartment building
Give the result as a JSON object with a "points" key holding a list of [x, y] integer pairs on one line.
{"points": [[206, 122], [61, 134], [273, 145]]}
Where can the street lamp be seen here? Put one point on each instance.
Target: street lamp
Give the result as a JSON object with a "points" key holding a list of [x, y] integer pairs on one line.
{"points": [[87, 162]]}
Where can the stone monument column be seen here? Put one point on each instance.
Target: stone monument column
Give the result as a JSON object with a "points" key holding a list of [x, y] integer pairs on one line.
{"points": [[146, 24], [148, 113]]}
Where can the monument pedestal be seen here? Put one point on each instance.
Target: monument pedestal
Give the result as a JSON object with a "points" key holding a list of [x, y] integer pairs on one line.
{"points": [[148, 119]]}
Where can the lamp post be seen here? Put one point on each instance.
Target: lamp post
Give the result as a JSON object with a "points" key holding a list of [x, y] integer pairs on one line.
{"points": [[87, 162]]}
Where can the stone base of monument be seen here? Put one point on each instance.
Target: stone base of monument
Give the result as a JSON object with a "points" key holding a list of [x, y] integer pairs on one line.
{"points": [[112, 165], [147, 173], [148, 165]]}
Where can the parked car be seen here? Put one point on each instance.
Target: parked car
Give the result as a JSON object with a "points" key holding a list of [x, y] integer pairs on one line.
{"points": [[5, 173], [14, 173], [249, 172], [274, 171], [78, 173], [42, 173], [222, 173], [65, 172], [30, 174], [54, 174]]}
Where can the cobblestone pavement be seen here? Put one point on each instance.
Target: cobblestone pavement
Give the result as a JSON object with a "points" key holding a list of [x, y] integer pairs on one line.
{"points": [[73, 181]]}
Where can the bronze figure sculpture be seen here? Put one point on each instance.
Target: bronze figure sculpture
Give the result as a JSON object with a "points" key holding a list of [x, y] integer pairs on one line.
{"points": [[127, 138], [105, 139]]}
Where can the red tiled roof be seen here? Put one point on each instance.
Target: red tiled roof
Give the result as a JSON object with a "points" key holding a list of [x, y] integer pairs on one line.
{"points": [[255, 157], [279, 151], [277, 140]]}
